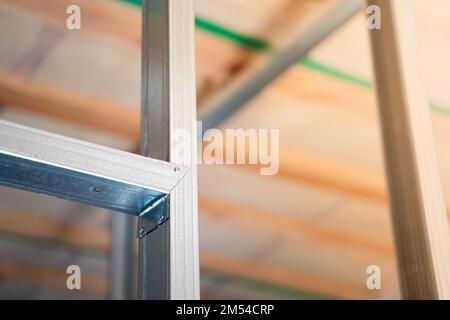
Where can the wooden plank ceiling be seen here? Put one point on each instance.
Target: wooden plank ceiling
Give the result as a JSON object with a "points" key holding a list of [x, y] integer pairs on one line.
{"points": [[313, 228]]}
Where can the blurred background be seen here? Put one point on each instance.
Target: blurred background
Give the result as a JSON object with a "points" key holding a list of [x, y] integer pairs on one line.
{"points": [[309, 232]]}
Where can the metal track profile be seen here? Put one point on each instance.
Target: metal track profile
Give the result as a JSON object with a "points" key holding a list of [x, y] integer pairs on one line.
{"points": [[38, 161]]}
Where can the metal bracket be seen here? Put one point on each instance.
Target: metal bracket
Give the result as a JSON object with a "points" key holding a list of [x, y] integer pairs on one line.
{"points": [[153, 215]]}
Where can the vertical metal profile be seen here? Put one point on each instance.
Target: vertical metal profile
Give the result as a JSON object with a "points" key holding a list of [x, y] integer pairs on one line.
{"points": [[122, 261], [168, 255]]}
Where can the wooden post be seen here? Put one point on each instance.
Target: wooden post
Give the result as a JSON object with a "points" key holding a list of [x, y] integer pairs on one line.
{"points": [[417, 206]]}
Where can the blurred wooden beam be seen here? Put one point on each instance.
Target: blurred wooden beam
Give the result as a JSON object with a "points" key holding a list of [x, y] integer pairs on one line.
{"points": [[51, 229], [292, 227], [97, 284], [331, 175], [38, 96], [79, 235], [294, 279], [420, 223], [49, 276]]}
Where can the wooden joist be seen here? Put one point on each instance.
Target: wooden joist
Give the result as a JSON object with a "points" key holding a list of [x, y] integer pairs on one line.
{"points": [[80, 235], [40, 97], [417, 206], [98, 284], [72, 234], [288, 278], [51, 229], [292, 227]]}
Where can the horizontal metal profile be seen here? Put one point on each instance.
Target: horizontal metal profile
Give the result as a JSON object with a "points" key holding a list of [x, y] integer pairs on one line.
{"points": [[67, 168]]}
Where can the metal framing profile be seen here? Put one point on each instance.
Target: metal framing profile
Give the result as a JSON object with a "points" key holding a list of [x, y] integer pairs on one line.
{"points": [[168, 132]]}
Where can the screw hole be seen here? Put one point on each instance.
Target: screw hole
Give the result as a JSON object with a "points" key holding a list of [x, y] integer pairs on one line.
{"points": [[96, 189]]}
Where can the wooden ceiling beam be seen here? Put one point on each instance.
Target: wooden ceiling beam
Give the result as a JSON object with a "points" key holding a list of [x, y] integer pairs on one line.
{"points": [[51, 229], [292, 226], [49, 276], [288, 278], [40, 97]]}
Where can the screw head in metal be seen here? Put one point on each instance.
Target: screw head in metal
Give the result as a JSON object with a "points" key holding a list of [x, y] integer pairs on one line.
{"points": [[96, 189], [142, 232]]}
